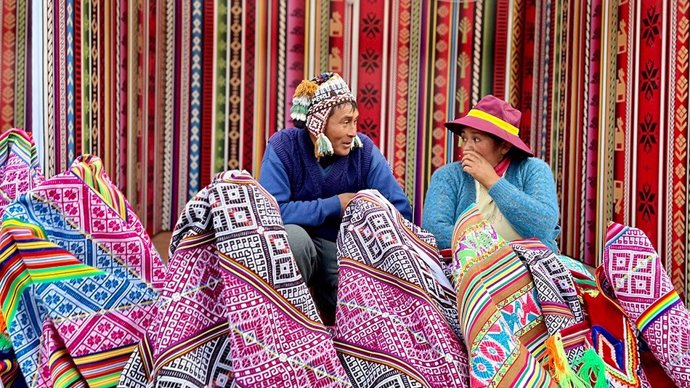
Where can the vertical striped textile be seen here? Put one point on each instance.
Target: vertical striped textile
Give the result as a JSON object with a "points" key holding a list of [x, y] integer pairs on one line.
{"points": [[168, 93]]}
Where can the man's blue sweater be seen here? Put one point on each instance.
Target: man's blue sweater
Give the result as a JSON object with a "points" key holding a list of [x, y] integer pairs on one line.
{"points": [[307, 191]]}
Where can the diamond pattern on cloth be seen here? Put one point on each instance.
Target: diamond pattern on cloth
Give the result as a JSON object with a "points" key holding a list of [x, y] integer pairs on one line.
{"points": [[76, 319], [555, 290], [396, 324], [499, 313], [234, 308], [646, 294]]}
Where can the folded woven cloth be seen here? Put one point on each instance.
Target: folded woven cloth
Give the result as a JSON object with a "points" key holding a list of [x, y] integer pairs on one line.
{"points": [[646, 294], [500, 317], [396, 322]]}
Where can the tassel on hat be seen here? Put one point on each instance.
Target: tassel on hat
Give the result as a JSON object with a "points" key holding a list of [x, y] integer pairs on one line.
{"points": [[301, 101], [322, 146], [356, 143]]}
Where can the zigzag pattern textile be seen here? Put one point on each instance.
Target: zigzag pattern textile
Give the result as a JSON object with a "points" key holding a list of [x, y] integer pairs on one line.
{"points": [[78, 281], [19, 173], [498, 308], [646, 294], [234, 309], [396, 323]]}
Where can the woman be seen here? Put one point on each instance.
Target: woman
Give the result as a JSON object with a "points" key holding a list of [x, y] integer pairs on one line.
{"points": [[514, 191]]}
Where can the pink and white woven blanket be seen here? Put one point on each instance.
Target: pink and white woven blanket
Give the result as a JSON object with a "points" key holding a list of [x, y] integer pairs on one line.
{"points": [[234, 309], [646, 294], [396, 323]]}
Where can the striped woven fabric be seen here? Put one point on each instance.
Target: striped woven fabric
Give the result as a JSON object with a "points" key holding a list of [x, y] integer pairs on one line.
{"points": [[396, 324], [92, 173], [500, 316], [19, 172], [234, 310], [647, 296], [80, 282]]}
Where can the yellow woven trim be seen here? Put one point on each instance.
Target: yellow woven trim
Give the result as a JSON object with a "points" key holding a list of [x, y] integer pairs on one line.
{"points": [[494, 120]]}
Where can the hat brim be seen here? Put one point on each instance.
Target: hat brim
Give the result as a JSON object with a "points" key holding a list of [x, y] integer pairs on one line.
{"points": [[457, 125]]}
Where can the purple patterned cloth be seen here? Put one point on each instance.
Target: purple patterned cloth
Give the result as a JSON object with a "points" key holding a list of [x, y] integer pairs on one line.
{"points": [[646, 294], [396, 322], [234, 309]]}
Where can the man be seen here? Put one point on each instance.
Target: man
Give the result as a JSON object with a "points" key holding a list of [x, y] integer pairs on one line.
{"points": [[314, 170]]}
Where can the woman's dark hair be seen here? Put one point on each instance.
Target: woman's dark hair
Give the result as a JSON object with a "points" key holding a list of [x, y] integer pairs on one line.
{"points": [[513, 153]]}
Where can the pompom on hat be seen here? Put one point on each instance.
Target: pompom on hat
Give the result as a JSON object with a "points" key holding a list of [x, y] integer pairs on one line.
{"points": [[312, 104], [494, 116]]}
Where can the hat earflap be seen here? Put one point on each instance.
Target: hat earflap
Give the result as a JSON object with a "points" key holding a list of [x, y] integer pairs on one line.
{"points": [[356, 143]]}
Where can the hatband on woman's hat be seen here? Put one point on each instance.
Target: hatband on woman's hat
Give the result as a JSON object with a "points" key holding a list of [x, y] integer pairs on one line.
{"points": [[494, 116]]}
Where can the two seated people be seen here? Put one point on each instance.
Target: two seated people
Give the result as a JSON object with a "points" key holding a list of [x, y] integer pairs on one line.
{"points": [[314, 170], [232, 305]]}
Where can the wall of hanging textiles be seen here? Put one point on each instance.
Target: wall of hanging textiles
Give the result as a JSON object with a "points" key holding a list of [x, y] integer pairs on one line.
{"points": [[169, 92]]}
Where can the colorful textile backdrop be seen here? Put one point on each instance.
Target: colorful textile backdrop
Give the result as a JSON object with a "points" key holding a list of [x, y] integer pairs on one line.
{"points": [[168, 93]]}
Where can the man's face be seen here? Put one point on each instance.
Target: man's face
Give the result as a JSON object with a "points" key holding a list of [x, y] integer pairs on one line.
{"points": [[341, 128]]}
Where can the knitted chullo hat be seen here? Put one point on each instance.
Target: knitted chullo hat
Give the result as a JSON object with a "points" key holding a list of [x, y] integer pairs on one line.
{"points": [[312, 104]]}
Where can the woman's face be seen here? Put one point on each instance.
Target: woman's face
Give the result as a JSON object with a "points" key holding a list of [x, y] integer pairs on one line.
{"points": [[489, 148]]}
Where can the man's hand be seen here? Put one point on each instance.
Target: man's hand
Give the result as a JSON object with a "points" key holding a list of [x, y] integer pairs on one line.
{"points": [[345, 198], [479, 168]]}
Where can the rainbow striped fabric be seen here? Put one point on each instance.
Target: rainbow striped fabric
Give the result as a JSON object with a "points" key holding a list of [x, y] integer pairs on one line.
{"points": [[556, 290], [19, 172], [78, 281], [500, 317]]}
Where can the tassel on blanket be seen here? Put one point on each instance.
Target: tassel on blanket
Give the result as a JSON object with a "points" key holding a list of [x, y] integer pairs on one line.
{"points": [[561, 371], [593, 369]]}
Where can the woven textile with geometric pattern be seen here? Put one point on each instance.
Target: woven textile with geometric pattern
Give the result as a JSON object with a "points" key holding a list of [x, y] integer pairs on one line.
{"points": [[555, 289], [234, 309], [646, 294], [19, 169], [19, 173], [498, 308], [396, 323], [79, 279]]}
